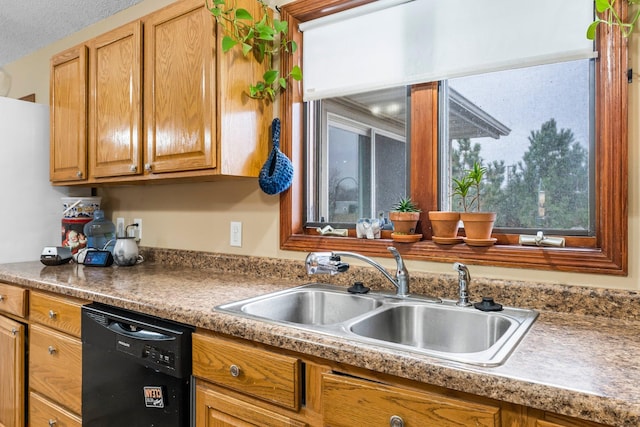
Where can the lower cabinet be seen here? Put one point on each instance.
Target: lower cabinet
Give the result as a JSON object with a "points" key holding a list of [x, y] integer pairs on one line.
{"points": [[13, 310], [43, 412], [547, 419], [217, 409], [349, 401], [12, 380], [55, 360], [240, 383]]}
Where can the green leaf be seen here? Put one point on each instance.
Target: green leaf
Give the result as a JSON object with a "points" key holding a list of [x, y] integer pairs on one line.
{"points": [[296, 73], [246, 48], [215, 11], [270, 93], [282, 82], [293, 46], [280, 26], [219, 2], [243, 14], [591, 31], [602, 5], [270, 76], [265, 32], [228, 43]]}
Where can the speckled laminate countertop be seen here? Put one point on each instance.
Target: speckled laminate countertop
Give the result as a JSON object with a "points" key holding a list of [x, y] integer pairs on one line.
{"points": [[575, 360]]}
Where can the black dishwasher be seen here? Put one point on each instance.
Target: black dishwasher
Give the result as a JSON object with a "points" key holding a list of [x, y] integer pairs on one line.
{"points": [[136, 369]]}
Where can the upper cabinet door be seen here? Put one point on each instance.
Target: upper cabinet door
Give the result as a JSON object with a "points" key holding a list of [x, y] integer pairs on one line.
{"points": [[68, 103], [115, 113], [179, 79]]}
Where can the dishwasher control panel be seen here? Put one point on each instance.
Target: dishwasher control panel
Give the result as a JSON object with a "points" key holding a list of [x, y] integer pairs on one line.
{"points": [[159, 356]]}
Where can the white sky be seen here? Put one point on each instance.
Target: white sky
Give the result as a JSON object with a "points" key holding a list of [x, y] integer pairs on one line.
{"points": [[523, 99]]}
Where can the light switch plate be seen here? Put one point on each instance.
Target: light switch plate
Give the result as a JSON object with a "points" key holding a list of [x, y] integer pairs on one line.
{"points": [[235, 238]]}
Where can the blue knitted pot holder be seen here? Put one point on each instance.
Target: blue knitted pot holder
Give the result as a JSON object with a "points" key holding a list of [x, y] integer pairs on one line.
{"points": [[277, 173]]}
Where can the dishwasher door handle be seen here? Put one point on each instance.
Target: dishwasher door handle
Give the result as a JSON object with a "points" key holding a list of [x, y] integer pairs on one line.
{"points": [[138, 333]]}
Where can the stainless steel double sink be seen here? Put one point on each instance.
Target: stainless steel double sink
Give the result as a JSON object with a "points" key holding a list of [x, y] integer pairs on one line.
{"points": [[428, 326]]}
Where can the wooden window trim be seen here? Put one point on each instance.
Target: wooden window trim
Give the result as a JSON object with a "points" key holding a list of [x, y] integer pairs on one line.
{"points": [[606, 253]]}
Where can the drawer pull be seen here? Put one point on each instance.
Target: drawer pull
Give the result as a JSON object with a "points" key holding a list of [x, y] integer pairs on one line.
{"points": [[52, 423], [52, 349], [396, 421], [14, 331], [52, 314], [235, 371]]}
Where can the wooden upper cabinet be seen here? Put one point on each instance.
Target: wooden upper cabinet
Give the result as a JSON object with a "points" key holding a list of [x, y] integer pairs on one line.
{"points": [[180, 88], [115, 112], [68, 103], [162, 100]]}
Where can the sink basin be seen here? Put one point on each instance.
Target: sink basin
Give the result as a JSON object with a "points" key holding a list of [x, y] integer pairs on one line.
{"points": [[415, 324], [320, 306], [436, 328]]}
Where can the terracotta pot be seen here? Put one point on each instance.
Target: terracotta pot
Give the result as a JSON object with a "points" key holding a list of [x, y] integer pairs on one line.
{"points": [[444, 224], [404, 222], [478, 225]]}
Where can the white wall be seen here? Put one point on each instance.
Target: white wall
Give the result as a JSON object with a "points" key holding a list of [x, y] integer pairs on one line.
{"points": [[197, 216]]}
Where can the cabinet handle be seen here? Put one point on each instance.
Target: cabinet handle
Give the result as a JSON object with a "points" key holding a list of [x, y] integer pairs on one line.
{"points": [[52, 423], [235, 371], [147, 167], [14, 331], [52, 314], [79, 174], [133, 168], [52, 349], [396, 421]]}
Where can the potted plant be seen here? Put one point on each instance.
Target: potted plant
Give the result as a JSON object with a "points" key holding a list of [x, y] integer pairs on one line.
{"points": [[262, 36], [404, 216], [444, 226], [478, 225]]}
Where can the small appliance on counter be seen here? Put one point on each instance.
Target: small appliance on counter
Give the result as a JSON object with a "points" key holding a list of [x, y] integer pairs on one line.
{"points": [[55, 255]]}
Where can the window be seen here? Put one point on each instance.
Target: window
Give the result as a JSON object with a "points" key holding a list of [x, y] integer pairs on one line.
{"points": [[358, 162], [532, 129], [603, 250]]}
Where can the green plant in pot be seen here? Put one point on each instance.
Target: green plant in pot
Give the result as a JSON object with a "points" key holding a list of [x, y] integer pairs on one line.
{"points": [[478, 225], [263, 37], [404, 216]]}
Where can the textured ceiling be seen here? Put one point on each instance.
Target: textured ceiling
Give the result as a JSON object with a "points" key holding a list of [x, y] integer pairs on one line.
{"points": [[28, 25]]}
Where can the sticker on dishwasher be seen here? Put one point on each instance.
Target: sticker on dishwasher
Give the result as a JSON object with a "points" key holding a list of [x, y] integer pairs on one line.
{"points": [[153, 397]]}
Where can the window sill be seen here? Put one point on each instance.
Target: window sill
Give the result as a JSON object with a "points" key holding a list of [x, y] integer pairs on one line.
{"points": [[582, 260]]}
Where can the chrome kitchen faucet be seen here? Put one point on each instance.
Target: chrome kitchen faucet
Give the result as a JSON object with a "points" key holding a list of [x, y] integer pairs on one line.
{"points": [[330, 263]]}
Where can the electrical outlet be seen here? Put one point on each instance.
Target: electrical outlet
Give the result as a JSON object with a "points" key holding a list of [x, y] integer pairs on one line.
{"points": [[120, 227], [137, 231], [235, 239]]}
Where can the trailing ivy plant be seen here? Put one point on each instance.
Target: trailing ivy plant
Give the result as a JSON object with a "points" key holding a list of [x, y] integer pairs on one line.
{"points": [[606, 14], [262, 36]]}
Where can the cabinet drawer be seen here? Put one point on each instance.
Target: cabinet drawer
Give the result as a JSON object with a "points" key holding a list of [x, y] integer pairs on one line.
{"points": [[250, 370], [348, 401], [61, 313], [216, 409], [55, 367], [13, 300], [45, 413]]}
